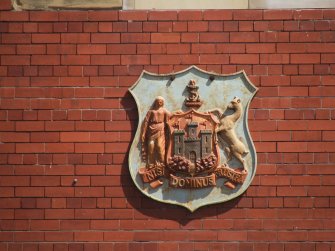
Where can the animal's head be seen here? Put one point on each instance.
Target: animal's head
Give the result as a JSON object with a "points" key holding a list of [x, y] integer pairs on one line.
{"points": [[234, 103]]}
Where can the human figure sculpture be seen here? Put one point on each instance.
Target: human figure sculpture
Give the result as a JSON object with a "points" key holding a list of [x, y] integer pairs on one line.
{"points": [[153, 133]]}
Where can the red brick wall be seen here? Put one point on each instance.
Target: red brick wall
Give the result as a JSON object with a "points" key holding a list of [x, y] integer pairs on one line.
{"points": [[66, 114]]}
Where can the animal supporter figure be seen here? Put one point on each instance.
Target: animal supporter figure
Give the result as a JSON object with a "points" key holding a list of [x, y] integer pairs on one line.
{"points": [[226, 131]]}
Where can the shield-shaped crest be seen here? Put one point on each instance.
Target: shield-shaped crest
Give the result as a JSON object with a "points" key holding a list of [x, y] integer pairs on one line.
{"points": [[192, 146]]}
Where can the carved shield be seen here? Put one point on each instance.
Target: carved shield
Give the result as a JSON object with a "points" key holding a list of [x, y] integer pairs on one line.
{"points": [[192, 146]]}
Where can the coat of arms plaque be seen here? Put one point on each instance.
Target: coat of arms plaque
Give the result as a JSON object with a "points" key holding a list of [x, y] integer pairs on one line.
{"points": [[192, 146]]}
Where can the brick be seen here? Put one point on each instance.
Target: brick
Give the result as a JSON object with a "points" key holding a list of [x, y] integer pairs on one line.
{"points": [[305, 80], [213, 37], [89, 213], [31, 49], [59, 126], [232, 236], [73, 16], [75, 38], [189, 15], [14, 137], [45, 38], [278, 14], [91, 49], [162, 15], [306, 102], [291, 48], [74, 81], [273, 36], [230, 48], [31, 192], [89, 147], [133, 15], [15, 27], [179, 26], [104, 81], [14, 181], [43, 16], [327, 36], [218, 15], [59, 236], [6, 5], [89, 92], [189, 37], [237, 37], [165, 59], [321, 25], [75, 60], [29, 126], [8, 49], [135, 59], [105, 60], [151, 49], [197, 26], [215, 26], [150, 27], [74, 137], [261, 48], [318, 147], [293, 91], [197, 48], [121, 49], [165, 38], [327, 58], [244, 59], [305, 37], [266, 146], [214, 59], [275, 58], [88, 236], [106, 27], [89, 126], [89, 192], [15, 60], [181, 49], [14, 16], [29, 236], [247, 15], [61, 49], [104, 104], [59, 147], [308, 14], [105, 38], [103, 16], [45, 60], [305, 59]]}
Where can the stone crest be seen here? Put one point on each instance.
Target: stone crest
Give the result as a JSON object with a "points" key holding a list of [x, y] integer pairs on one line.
{"points": [[192, 146]]}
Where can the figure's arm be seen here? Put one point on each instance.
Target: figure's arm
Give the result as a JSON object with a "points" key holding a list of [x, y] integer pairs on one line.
{"points": [[145, 126]]}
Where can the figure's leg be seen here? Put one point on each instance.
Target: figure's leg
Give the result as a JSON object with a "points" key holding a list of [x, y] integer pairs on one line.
{"points": [[240, 159], [229, 153], [151, 152], [160, 144]]}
